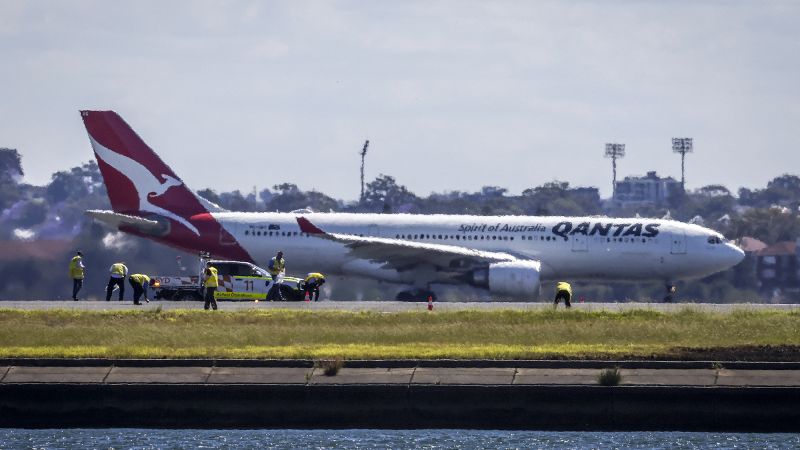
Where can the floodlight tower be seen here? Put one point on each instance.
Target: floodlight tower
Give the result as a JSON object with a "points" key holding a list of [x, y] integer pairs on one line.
{"points": [[682, 146], [614, 151]]}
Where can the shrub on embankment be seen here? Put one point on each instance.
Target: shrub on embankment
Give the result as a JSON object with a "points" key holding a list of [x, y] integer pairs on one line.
{"points": [[367, 335]]}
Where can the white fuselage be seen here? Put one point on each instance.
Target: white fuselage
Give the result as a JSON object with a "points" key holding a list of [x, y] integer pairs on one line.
{"points": [[571, 248]]}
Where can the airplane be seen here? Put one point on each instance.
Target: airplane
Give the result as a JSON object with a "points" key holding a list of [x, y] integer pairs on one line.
{"points": [[509, 256]]}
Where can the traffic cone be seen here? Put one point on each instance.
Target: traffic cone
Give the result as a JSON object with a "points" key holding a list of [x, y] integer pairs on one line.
{"points": [[430, 303]]}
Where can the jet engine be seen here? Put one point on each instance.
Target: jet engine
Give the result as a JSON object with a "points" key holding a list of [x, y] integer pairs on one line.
{"points": [[512, 278]]}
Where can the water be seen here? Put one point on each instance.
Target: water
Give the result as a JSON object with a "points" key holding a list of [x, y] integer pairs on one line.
{"points": [[383, 439]]}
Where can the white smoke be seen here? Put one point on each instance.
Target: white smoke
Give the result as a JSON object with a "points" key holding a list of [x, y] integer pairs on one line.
{"points": [[24, 234], [118, 241]]}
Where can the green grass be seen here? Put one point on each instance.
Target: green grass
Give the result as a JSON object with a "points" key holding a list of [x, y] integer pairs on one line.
{"points": [[355, 335]]}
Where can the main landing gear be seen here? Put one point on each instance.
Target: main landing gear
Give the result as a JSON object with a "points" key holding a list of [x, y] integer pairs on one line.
{"points": [[671, 289], [415, 295]]}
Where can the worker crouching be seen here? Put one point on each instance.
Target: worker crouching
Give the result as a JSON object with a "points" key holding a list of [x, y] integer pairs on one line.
{"points": [[563, 291], [311, 285], [139, 283]]}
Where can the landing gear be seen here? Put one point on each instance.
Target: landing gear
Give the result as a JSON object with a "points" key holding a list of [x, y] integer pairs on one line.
{"points": [[670, 292], [415, 295]]}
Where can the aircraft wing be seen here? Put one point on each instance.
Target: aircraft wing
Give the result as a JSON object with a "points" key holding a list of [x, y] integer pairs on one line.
{"points": [[400, 254]]}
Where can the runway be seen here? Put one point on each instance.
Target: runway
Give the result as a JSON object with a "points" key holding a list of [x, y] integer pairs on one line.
{"points": [[389, 306]]}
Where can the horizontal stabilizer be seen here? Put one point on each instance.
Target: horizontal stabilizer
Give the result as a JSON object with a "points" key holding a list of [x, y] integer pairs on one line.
{"points": [[116, 220]]}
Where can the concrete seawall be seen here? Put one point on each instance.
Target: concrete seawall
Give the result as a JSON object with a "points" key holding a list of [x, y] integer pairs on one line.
{"points": [[409, 397], [392, 406]]}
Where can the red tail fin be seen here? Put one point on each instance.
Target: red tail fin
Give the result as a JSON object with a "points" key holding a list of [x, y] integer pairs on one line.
{"points": [[138, 182]]}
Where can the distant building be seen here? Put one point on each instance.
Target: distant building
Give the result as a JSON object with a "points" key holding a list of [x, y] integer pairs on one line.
{"points": [[649, 189], [751, 245], [777, 267]]}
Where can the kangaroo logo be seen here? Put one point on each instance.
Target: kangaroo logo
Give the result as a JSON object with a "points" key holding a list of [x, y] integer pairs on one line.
{"points": [[146, 184]]}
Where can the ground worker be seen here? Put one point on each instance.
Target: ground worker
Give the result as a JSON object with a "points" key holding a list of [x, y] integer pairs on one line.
{"points": [[118, 273], [563, 290], [139, 283], [211, 282], [277, 268], [312, 284], [76, 272]]}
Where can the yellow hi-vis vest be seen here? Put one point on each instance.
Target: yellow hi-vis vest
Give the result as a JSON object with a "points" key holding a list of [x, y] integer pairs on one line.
{"points": [[564, 286], [118, 269], [277, 266], [211, 280], [141, 279], [314, 276], [75, 269]]}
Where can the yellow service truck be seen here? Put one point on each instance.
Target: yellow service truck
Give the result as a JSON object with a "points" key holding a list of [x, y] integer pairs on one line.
{"points": [[238, 280]]}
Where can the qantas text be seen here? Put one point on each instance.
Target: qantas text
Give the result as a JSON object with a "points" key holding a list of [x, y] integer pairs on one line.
{"points": [[564, 229]]}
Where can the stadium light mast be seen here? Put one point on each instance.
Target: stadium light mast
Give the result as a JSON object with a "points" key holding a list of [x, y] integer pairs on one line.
{"points": [[682, 146], [614, 151], [363, 154]]}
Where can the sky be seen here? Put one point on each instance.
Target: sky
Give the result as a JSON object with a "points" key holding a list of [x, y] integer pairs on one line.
{"points": [[453, 95]]}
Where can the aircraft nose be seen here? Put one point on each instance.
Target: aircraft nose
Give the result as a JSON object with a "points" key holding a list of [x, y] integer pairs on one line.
{"points": [[735, 254]]}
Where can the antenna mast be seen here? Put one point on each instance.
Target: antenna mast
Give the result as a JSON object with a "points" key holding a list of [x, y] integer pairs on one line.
{"points": [[363, 154]]}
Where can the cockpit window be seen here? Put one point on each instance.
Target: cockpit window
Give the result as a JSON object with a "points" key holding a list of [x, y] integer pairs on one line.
{"points": [[714, 240]]}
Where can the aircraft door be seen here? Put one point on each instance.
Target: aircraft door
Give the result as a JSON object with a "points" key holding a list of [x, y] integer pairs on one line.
{"points": [[678, 243], [580, 243]]}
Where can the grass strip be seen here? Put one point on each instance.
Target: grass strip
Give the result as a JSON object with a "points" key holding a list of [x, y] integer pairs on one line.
{"points": [[502, 334]]}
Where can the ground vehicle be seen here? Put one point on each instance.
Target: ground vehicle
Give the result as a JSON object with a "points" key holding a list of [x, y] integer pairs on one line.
{"points": [[238, 280]]}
